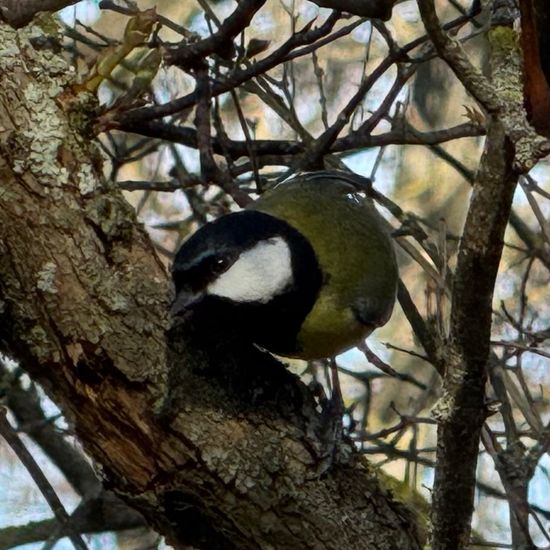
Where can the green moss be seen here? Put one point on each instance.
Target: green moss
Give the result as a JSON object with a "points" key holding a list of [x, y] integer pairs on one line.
{"points": [[507, 61], [405, 493], [48, 24], [503, 38]]}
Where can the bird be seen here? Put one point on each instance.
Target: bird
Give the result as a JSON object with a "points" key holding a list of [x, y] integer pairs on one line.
{"points": [[307, 271]]}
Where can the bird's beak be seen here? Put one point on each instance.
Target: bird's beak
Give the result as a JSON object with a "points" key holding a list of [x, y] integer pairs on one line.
{"points": [[184, 300]]}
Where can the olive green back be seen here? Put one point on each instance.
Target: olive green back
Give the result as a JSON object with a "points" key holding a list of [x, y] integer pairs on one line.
{"points": [[355, 254]]}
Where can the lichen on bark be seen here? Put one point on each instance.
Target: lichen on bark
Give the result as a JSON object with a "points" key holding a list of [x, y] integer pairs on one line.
{"points": [[508, 80]]}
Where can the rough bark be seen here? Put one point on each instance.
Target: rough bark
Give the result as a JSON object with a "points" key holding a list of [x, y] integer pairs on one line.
{"points": [[462, 411], [83, 308]]}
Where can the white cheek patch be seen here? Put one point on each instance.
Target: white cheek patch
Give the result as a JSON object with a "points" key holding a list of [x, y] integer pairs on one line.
{"points": [[258, 274]]}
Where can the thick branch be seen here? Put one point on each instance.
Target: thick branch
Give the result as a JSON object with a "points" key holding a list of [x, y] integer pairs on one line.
{"points": [[502, 97], [512, 147], [462, 409], [402, 134], [18, 13], [452, 52]]}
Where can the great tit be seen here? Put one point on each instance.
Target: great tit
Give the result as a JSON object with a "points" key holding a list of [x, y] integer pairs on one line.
{"points": [[307, 271]]}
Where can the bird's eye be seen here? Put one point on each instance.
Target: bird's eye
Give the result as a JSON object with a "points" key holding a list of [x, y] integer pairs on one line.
{"points": [[219, 265]]}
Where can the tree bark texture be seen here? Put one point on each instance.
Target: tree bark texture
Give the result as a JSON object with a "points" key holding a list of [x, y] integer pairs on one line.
{"points": [[512, 147], [462, 410], [83, 303]]}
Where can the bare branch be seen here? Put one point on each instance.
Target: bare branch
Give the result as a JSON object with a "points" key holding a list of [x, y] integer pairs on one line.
{"points": [[106, 512], [25, 406], [312, 157], [401, 134], [452, 52], [13, 440], [237, 77], [220, 42]]}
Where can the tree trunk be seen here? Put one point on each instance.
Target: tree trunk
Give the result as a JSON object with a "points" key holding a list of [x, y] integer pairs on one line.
{"points": [[83, 302]]}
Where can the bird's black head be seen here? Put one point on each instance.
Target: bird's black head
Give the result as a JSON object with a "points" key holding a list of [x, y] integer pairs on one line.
{"points": [[250, 276]]}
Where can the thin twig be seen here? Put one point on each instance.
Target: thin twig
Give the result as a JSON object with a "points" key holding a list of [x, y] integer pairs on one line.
{"points": [[14, 441]]}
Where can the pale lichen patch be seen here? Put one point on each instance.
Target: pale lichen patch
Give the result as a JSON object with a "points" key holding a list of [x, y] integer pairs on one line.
{"points": [[45, 62], [37, 148], [44, 137], [443, 408], [75, 352], [10, 56], [45, 278], [87, 180], [19, 166], [508, 81]]}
